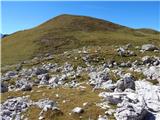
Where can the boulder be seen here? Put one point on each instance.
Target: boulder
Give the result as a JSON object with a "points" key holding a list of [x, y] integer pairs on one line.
{"points": [[126, 82], [4, 87], [53, 80], [149, 47], [97, 78], [78, 110], [121, 52], [46, 104], [130, 111], [153, 72], [43, 79], [26, 87], [108, 85], [39, 71], [10, 74], [113, 98], [146, 59], [150, 94]]}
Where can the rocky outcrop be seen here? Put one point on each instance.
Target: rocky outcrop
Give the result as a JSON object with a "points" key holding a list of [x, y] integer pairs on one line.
{"points": [[152, 72], [130, 111], [12, 108], [135, 105]]}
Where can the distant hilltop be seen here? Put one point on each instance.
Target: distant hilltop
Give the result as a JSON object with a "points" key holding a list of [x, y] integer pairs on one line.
{"points": [[66, 32]]}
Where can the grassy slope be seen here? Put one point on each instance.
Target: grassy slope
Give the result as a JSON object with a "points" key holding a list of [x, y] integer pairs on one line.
{"points": [[67, 32]]}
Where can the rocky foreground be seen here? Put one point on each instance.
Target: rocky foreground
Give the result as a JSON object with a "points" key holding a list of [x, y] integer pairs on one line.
{"points": [[120, 89]]}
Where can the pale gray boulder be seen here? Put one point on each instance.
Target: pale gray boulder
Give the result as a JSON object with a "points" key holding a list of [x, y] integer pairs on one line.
{"points": [[130, 111], [46, 104], [78, 110], [151, 95], [108, 85], [113, 98], [149, 47], [153, 72]]}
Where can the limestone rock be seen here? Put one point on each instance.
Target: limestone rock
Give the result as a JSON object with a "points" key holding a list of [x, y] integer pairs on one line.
{"points": [[126, 82], [46, 104], [4, 87], [78, 110], [149, 47]]}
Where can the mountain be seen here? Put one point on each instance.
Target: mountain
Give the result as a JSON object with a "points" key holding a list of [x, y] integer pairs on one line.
{"points": [[66, 32]]}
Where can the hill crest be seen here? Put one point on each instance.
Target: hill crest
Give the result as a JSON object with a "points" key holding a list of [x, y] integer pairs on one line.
{"points": [[66, 32]]}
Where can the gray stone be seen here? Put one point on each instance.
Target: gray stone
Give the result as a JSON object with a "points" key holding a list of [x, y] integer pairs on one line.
{"points": [[39, 71], [23, 84], [113, 98], [149, 47], [10, 74], [97, 78], [46, 104], [4, 87], [108, 85], [150, 93], [152, 72], [54, 79], [102, 117], [124, 53], [43, 79], [131, 111], [78, 110], [26, 87], [126, 82], [121, 51]]}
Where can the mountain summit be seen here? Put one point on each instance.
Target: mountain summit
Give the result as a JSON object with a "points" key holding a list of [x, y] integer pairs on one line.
{"points": [[66, 32], [79, 23]]}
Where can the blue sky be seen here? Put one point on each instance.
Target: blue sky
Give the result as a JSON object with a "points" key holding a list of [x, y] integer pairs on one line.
{"points": [[24, 15]]}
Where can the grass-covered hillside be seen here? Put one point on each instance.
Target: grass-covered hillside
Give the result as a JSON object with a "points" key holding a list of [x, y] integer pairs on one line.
{"points": [[67, 32]]}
